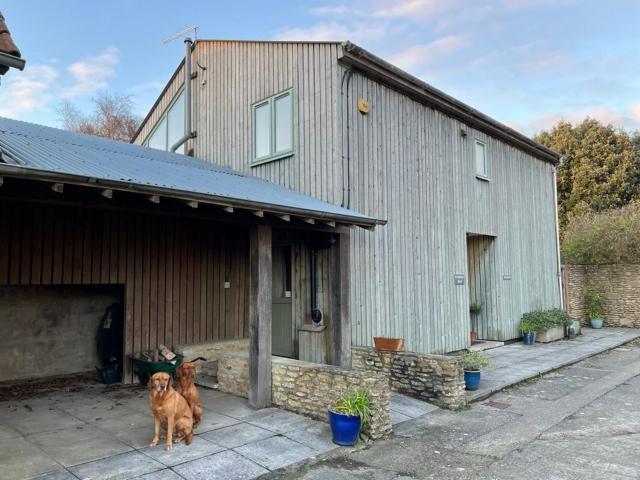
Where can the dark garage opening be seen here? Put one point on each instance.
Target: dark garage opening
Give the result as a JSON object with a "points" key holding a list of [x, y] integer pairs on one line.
{"points": [[52, 330]]}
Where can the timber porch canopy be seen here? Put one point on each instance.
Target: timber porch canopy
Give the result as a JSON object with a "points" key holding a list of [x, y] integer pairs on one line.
{"points": [[48, 175]]}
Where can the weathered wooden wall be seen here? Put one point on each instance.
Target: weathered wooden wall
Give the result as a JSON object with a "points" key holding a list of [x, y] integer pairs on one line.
{"points": [[173, 270]]}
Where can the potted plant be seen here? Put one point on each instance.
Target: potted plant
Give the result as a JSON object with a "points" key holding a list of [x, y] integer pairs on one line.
{"points": [[594, 300], [528, 329], [347, 416], [474, 309], [473, 362], [388, 344]]}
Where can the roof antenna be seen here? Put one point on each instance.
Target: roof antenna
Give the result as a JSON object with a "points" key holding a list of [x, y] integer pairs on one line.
{"points": [[189, 132]]}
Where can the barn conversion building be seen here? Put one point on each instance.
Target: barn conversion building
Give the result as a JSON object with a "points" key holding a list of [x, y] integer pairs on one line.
{"points": [[471, 240]]}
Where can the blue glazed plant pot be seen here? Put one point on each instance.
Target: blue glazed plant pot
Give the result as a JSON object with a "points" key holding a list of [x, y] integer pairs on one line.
{"points": [[597, 322], [472, 379], [344, 428], [529, 338]]}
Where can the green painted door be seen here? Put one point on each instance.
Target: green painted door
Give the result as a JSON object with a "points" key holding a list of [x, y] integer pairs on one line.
{"points": [[282, 335]]}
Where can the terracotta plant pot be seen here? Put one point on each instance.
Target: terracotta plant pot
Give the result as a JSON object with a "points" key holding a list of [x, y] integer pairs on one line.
{"points": [[389, 344]]}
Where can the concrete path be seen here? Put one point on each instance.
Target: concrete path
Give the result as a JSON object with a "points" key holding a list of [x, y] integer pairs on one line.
{"points": [[515, 363], [581, 422]]}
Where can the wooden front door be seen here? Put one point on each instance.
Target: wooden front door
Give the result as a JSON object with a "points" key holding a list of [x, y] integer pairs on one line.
{"points": [[282, 321]]}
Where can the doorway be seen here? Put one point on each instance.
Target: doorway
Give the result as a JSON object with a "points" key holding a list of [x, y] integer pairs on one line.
{"points": [[282, 314], [483, 298]]}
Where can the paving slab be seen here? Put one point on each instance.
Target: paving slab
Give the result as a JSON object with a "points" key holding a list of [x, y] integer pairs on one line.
{"points": [[227, 465], [22, 459], [397, 417], [166, 474], [118, 467], [410, 407], [134, 429], [213, 420], [280, 421], [182, 453], [71, 446], [237, 435], [517, 362], [59, 475], [275, 452], [316, 436], [41, 420]]}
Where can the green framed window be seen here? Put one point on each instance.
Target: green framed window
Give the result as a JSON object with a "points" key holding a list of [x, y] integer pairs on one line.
{"points": [[272, 128], [170, 128], [481, 162]]}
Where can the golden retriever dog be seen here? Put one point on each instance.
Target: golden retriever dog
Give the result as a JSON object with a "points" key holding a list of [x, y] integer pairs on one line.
{"points": [[169, 409], [186, 388]]}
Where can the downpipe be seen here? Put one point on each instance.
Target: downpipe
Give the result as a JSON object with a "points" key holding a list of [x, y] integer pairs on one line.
{"points": [[555, 203], [187, 97]]}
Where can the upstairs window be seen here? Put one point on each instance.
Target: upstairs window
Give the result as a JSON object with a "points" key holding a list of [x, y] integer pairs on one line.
{"points": [[170, 128], [272, 128], [482, 169]]}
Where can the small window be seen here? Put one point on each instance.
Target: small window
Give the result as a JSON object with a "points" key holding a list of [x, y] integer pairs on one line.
{"points": [[481, 159], [273, 128]]}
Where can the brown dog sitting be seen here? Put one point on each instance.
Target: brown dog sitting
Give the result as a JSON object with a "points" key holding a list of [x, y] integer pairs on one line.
{"points": [[186, 388], [169, 409]]}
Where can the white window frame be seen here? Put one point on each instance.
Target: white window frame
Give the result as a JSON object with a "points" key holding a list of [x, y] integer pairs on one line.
{"points": [[484, 175], [272, 155]]}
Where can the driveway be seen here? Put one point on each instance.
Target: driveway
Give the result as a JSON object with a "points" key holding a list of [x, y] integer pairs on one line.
{"points": [[581, 422]]}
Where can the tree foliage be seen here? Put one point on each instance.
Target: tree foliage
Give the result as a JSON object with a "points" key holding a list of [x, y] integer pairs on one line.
{"points": [[112, 117], [601, 167], [607, 237]]}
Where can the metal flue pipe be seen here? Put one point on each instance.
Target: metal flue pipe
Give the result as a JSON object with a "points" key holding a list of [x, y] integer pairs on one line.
{"points": [[187, 96]]}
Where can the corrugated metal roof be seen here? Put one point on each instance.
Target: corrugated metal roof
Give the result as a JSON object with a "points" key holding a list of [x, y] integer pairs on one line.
{"points": [[35, 150]]}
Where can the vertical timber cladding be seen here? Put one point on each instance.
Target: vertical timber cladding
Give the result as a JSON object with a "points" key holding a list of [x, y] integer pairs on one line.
{"points": [[410, 164], [173, 269]]}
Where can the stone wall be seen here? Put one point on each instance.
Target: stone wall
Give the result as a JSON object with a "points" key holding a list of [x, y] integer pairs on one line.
{"points": [[621, 284], [309, 388], [212, 352], [438, 379]]}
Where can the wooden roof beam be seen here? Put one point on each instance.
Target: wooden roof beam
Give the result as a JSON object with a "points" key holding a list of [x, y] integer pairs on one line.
{"points": [[154, 198], [107, 193], [57, 187], [310, 221], [191, 203]]}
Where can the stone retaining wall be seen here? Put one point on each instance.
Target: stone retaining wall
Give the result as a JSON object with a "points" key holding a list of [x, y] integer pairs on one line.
{"points": [[212, 352], [621, 284], [309, 388], [438, 379]]}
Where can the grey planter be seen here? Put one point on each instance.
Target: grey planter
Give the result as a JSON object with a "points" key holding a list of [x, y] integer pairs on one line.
{"points": [[551, 335]]}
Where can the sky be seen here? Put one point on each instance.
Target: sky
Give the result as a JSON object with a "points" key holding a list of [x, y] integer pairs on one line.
{"points": [[526, 63]]}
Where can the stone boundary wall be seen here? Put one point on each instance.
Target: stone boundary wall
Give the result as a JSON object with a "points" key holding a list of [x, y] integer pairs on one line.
{"points": [[438, 379], [309, 388], [212, 352], [621, 284]]}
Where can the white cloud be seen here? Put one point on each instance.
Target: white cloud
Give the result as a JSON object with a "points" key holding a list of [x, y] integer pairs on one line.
{"points": [[91, 74], [412, 9], [628, 118], [423, 54], [27, 91], [331, 31]]}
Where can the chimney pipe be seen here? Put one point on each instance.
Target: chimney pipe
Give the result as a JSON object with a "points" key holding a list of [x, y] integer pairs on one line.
{"points": [[187, 96]]}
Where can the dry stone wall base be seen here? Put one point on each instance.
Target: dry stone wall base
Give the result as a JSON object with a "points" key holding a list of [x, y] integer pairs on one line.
{"points": [[438, 379], [309, 388], [621, 284]]}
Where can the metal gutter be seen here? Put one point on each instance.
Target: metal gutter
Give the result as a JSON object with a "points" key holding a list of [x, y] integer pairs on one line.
{"points": [[381, 70], [80, 180]]}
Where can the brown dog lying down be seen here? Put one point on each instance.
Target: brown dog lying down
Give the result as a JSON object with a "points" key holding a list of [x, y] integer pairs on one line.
{"points": [[169, 409], [186, 387]]}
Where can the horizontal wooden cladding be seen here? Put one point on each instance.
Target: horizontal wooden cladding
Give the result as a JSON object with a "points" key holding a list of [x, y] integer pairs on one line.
{"points": [[174, 270]]}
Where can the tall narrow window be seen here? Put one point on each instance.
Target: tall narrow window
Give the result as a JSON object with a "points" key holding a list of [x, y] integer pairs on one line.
{"points": [[273, 128], [170, 128], [482, 169]]}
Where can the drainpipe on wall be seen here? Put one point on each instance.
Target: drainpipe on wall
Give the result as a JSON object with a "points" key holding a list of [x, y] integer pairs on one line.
{"points": [[555, 203], [187, 96]]}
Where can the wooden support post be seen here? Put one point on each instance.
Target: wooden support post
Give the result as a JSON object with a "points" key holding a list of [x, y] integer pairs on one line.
{"points": [[260, 316], [340, 321]]}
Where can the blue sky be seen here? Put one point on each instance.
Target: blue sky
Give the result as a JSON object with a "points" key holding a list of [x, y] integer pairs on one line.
{"points": [[527, 63]]}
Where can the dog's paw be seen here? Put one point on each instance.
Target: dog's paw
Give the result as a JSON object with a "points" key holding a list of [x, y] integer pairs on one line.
{"points": [[153, 443], [168, 447]]}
